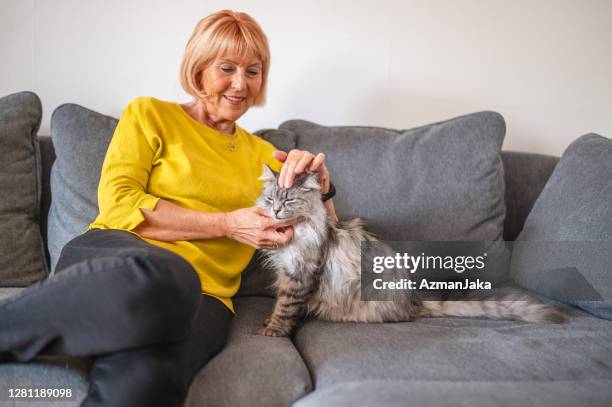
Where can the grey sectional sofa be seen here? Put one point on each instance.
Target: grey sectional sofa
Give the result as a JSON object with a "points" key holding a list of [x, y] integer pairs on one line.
{"points": [[428, 362]]}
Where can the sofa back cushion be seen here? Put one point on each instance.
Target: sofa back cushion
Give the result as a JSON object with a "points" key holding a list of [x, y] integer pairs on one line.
{"points": [[22, 251], [565, 248], [442, 181], [80, 137]]}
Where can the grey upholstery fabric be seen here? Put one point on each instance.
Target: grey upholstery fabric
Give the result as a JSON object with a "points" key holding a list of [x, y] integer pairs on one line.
{"points": [[575, 206], [442, 393], [443, 181], [525, 175], [252, 370], [22, 250], [81, 138], [442, 350], [282, 140]]}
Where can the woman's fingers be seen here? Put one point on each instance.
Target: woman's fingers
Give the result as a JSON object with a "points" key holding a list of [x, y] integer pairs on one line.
{"points": [[279, 233], [280, 155], [261, 211], [279, 237], [303, 163], [283, 171], [298, 161], [316, 163], [281, 224], [285, 179], [295, 163], [285, 235], [255, 227], [288, 222], [323, 175]]}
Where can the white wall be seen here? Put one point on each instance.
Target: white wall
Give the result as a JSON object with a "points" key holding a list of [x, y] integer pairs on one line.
{"points": [[545, 65]]}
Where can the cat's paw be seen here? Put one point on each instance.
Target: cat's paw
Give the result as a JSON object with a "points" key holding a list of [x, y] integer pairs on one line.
{"points": [[272, 331], [266, 322]]}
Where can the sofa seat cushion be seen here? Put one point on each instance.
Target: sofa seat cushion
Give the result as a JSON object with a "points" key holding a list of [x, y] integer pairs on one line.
{"points": [[455, 349], [443, 393], [252, 370]]}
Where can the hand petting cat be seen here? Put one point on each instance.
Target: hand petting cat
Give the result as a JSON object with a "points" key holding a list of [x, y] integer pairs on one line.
{"points": [[296, 162]]}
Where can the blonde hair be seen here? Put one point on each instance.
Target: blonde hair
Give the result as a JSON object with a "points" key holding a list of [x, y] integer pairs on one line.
{"points": [[222, 33]]}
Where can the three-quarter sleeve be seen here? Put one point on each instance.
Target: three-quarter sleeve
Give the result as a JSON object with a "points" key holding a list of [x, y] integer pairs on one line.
{"points": [[122, 191]]}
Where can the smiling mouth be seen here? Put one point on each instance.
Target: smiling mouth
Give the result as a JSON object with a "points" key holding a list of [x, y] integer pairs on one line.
{"points": [[234, 100]]}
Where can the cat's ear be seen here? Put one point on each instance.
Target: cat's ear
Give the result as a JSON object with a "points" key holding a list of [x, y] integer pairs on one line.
{"points": [[268, 175], [310, 182]]}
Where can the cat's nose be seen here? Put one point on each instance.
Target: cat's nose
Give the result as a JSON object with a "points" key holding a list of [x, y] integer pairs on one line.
{"points": [[276, 211]]}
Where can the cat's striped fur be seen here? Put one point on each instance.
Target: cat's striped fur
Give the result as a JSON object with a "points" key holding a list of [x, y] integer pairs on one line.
{"points": [[318, 272]]}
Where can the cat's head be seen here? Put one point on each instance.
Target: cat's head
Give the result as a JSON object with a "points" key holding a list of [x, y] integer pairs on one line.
{"points": [[301, 199]]}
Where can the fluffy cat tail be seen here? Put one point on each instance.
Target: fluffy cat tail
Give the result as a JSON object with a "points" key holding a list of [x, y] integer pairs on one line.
{"points": [[513, 305]]}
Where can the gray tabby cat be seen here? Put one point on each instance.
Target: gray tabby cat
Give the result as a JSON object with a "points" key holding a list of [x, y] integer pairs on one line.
{"points": [[319, 271]]}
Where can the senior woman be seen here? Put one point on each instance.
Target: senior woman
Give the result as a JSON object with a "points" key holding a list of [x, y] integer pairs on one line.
{"points": [[147, 288]]}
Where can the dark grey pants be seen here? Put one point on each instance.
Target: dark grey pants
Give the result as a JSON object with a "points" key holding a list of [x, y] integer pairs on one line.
{"points": [[136, 307]]}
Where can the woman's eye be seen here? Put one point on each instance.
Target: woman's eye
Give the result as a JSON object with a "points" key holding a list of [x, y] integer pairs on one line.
{"points": [[253, 72], [227, 68]]}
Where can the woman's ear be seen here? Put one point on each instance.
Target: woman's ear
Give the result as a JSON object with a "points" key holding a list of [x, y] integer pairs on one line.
{"points": [[198, 80], [268, 175]]}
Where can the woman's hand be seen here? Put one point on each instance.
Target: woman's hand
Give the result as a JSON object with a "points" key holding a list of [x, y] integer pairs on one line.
{"points": [[296, 162], [253, 226]]}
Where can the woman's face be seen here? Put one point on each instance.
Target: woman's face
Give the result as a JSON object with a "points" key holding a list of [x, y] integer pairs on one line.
{"points": [[236, 82]]}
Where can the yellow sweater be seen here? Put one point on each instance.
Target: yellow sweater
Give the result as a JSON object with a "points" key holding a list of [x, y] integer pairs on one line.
{"points": [[159, 151]]}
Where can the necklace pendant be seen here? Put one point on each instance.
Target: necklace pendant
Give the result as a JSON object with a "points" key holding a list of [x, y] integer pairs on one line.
{"points": [[231, 146]]}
